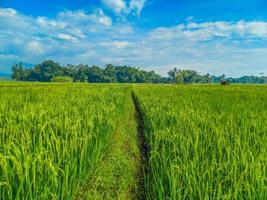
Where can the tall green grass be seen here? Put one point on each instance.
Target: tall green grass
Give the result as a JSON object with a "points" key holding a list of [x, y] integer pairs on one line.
{"points": [[118, 176], [66, 141], [206, 142], [52, 136]]}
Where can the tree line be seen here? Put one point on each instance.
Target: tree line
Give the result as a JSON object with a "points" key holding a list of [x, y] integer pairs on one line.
{"points": [[190, 76], [50, 71]]}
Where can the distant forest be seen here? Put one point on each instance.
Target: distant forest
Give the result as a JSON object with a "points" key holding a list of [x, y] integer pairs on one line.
{"points": [[50, 71]]}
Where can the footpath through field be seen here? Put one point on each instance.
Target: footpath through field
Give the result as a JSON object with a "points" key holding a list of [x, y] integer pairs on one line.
{"points": [[120, 175]]}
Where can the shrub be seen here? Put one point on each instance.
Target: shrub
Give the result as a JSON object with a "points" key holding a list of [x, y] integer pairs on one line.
{"points": [[225, 82], [62, 79]]}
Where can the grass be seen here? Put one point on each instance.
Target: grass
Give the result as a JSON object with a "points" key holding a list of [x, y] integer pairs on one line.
{"points": [[206, 142], [119, 172], [52, 137], [85, 141]]}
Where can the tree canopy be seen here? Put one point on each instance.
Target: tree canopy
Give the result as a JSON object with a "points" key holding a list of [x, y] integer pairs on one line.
{"points": [[180, 76], [187, 76], [49, 71]]}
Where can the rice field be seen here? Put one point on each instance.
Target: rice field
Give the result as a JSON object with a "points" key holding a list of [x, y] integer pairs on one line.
{"points": [[52, 137], [87, 141], [206, 142]]}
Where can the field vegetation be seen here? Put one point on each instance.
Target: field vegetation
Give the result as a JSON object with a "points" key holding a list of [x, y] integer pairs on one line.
{"points": [[206, 142], [132, 141], [52, 137]]}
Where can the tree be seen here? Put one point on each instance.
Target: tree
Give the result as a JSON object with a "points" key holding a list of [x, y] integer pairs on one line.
{"points": [[207, 78], [173, 74], [188, 76], [110, 74], [19, 73], [44, 72], [191, 76], [81, 73], [95, 74], [36, 74], [222, 77], [48, 70]]}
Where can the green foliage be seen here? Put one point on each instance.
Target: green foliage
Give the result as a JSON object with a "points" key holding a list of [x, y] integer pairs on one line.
{"points": [[187, 76], [48, 69], [19, 73], [190, 76], [242, 80], [206, 142], [225, 82], [62, 79], [119, 171], [45, 71], [249, 79], [53, 136], [79, 141]]}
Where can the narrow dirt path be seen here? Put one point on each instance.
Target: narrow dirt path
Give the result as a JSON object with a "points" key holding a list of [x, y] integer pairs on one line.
{"points": [[121, 170], [143, 146]]}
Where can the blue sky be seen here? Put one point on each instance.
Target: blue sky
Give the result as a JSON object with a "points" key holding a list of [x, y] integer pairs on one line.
{"points": [[209, 36]]}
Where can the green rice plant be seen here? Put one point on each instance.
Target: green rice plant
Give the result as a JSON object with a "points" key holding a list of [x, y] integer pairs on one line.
{"points": [[206, 142], [118, 175], [72, 141], [53, 136]]}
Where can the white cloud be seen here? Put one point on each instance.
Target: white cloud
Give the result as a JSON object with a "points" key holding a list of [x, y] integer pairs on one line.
{"points": [[44, 22], [118, 6], [209, 30], [70, 34], [78, 17], [115, 44], [68, 37], [35, 47], [122, 7], [7, 12], [234, 48], [137, 5], [73, 15], [101, 18]]}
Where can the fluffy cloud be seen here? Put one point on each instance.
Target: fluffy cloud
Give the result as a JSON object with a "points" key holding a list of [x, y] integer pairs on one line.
{"points": [[118, 6], [122, 7], [7, 12], [234, 48], [137, 5], [44, 22], [70, 34], [114, 44], [64, 36], [74, 17], [210, 30]]}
